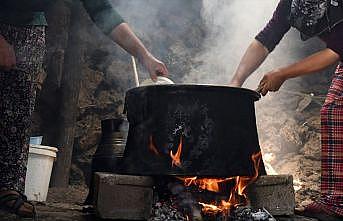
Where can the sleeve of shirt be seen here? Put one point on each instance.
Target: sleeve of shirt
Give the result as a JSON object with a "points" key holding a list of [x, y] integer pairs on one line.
{"points": [[277, 27], [103, 14], [334, 40]]}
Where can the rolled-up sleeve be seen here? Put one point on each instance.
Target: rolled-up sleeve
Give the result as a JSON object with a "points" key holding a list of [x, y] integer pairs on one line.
{"points": [[334, 40], [277, 27], [103, 14]]}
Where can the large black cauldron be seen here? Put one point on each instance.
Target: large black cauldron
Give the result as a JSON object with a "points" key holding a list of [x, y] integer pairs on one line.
{"points": [[215, 124]]}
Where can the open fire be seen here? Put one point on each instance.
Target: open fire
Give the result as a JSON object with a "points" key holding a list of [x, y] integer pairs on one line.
{"points": [[176, 158], [234, 186], [237, 196]]}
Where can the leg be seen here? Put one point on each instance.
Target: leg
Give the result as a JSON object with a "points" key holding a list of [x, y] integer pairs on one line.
{"points": [[330, 205], [332, 147], [17, 94], [17, 100]]}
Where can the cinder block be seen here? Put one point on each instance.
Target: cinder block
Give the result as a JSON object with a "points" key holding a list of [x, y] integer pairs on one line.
{"points": [[123, 197], [275, 193]]}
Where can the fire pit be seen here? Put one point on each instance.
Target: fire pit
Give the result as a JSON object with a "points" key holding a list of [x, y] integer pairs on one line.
{"points": [[200, 145], [191, 130]]}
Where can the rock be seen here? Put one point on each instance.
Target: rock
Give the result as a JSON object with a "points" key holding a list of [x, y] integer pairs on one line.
{"points": [[312, 148], [275, 193], [296, 218], [123, 197], [290, 133]]}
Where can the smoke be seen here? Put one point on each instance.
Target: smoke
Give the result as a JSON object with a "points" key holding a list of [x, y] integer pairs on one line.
{"points": [[231, 26], [227, 28], [141, 15], [166, 28]]}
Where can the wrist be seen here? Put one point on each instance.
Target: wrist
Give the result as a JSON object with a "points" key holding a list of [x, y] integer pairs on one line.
{"points": [[236, 82], [145, 58], [141, 53], [283, 74]]}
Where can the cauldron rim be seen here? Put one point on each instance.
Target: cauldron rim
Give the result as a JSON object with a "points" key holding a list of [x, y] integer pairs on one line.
{"points": [[195, 87]]}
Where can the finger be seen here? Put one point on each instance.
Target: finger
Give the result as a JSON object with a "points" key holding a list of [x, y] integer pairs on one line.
{"points": [[13, 59], [162, 71], [260, 87], [165, 70], [264, 89], [259, 90], [153, 77], [159, 72], [10, 61], [9, 64]]}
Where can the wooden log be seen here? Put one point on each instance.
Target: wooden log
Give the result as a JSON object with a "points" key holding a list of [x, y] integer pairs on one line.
{"points": [[69, 96], [57, 40]]}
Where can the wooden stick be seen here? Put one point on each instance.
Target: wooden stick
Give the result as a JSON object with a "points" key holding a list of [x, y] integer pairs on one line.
{"points": [[135, 71]]}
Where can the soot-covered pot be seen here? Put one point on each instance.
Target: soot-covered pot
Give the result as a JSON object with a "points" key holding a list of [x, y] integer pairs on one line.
{"points": [[191, 130]]}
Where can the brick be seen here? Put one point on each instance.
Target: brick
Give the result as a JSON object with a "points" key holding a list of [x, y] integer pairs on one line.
{"points": [[275, 193], [123, 197]]}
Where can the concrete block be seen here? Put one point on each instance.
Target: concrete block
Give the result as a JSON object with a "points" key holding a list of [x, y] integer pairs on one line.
{"points": [[295, 218], [123, 197], [275, 193]]}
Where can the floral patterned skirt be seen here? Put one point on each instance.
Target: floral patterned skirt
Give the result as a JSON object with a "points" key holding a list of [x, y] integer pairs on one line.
{"points": [[17, 94]]}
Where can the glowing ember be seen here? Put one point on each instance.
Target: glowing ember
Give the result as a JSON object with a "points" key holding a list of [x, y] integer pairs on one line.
{"points": [[176, 158], [210, 208], [238, 196], [204, 183]]}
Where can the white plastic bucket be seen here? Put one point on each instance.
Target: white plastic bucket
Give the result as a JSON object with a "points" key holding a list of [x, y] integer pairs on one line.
{"points": [[39, 167]]}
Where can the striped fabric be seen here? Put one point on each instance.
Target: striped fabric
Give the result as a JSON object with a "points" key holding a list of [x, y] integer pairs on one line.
{"points": [[332, 147]]}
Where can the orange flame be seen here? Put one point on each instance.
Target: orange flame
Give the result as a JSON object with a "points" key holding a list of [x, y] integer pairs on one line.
{"points": [[176, 158], [204, 183], [210, 209], [152, 147], [237, 194]]}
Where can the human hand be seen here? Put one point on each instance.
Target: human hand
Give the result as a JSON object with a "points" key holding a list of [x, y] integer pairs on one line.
{"points": [[155, 67], [7, 55], [271, 81]]}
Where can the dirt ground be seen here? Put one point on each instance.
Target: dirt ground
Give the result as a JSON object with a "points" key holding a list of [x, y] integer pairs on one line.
{"points": [[62, 205], [66, 205]]}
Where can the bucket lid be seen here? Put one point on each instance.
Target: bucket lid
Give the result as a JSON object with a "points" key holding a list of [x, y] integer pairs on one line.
{"points": [[54, 149], [43, 150]]}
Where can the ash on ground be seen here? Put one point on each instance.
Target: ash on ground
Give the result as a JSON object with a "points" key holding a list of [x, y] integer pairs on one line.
{"points": [[167, 211]]}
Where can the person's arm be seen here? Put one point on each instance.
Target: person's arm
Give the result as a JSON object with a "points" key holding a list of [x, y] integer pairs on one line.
{"points": [[264, 43], [273, 80], [252, 59], [7, 55], [112, 24], [125, 37]]}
